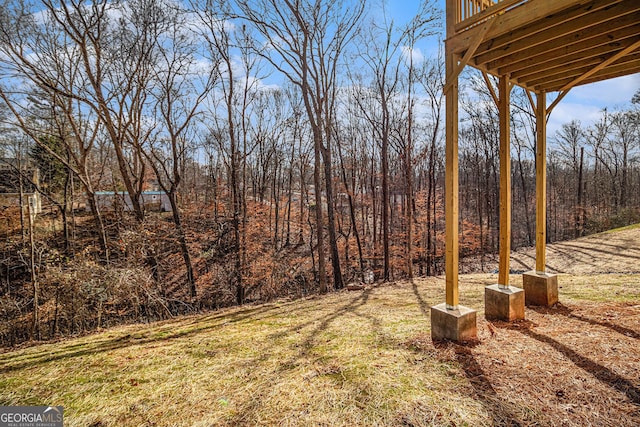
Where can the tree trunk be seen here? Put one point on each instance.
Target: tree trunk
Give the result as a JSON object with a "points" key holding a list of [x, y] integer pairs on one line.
{"points": [[333, 238], [431, 208], [525, 195], [317, 182], [97, 216], [409, 187], [578, 214], [352, 214], [64, 209], [384, 154], [35, 327], [183, 243]]}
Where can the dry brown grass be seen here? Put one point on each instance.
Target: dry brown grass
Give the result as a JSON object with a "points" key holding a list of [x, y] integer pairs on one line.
{"points": [[351, 359], [612, 252]]}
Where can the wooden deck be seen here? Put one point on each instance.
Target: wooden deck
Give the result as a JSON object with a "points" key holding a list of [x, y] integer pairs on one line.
{"points": [[551, 45], [544, 46]]}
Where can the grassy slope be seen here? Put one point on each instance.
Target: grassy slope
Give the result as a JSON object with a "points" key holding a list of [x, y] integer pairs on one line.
{"points": [[612, 251], [360, 358], [353, 358]]}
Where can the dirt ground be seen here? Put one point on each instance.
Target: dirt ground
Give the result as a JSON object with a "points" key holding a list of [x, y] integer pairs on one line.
{"points": [[577, 363], [571, 365]]}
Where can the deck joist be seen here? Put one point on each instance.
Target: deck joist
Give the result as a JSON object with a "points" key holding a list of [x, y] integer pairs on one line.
{"points": [[543, 46], [550, 45]]}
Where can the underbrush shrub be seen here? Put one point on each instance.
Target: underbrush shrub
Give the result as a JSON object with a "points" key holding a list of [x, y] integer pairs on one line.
{"points": [[215, 288], [91, 296], [10, 312], [278, 275], [81, 296], [143, 278], [599, 222]]}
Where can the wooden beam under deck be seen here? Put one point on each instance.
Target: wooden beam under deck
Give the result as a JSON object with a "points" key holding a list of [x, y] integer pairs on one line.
{"points": [[584, 43], [616, 70], [567, 30], [543, 46], [536, 41], [584, 57], [523, 14], [550, 21], [583, 72]]}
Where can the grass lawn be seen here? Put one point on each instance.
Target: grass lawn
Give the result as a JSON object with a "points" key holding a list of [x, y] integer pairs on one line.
{"points": [[362, 358]]}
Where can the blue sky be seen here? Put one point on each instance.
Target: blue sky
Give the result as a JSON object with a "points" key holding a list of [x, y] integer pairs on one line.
{"points": [[583, 103]]}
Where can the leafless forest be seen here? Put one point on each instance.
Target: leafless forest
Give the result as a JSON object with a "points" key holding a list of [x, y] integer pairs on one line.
{"points": [[299, 146]]}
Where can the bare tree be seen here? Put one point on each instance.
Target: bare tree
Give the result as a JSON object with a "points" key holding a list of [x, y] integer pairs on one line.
{"points": [[305, 40], [181, 85], [432, 83], [95, 62], [116, 45], [42, 70], [625, 140], [238, 90], [389, 50], [382, 59], [570, 149], [419, 27]]}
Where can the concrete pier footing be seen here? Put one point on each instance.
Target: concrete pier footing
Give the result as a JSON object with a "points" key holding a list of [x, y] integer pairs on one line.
{"points": [[453, 324], [540, 288], [504, 303]]}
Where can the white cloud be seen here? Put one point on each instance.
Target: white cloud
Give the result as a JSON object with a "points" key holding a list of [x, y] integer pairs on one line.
{"points": [[608, 92], [260, 85], [200, 23], [202, 66], [565, 112], [414, 54], [585, 103]]}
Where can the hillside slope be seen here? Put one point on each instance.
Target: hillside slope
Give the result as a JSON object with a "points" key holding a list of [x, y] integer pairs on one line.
{"points": [[615, 251], [353, 359]]}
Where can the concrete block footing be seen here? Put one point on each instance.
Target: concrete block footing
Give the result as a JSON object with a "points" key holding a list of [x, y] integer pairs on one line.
{"points": [[453, 324], [504, 303], [540, 288]]}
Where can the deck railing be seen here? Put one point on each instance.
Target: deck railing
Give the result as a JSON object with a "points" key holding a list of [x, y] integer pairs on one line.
{"points": [[472, 12], [468, 8]]}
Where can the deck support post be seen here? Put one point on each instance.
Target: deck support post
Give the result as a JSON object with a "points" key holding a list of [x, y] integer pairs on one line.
{"points": [[541, 288], [504, 92], [503, 302], [451, 321]]}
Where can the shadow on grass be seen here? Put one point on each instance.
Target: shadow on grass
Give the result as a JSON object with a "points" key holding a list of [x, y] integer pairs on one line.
{"points": [[161, 333], [601, 373], [532, 262], [579, 253], [326, 320], [620, 251], [497, 407], [424, 307], [249, 409], [522, 264]]}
